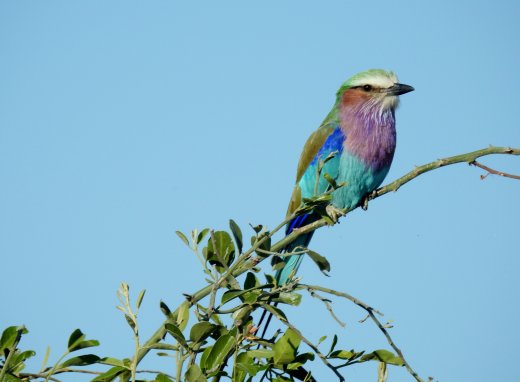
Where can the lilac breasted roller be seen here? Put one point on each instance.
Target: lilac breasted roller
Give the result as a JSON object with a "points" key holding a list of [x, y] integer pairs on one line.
{"points": [[360, 131]]}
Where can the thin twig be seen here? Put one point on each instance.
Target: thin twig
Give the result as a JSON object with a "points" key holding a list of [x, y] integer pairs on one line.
{"points": [[356, 301], [329, 307], [393, 345], [491, 171]]}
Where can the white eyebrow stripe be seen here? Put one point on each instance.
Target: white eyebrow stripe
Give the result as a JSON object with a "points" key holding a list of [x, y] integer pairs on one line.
{"points": [[377, 80]]}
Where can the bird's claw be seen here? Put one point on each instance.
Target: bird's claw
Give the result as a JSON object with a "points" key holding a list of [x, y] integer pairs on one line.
{"points": [[366, 199], [334, 213], [364, 203]]}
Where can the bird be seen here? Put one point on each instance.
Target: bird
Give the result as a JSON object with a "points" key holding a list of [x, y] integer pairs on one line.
{"points": [[353, 146]]}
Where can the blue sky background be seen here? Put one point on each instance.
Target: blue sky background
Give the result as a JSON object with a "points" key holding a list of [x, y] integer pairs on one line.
{"points": [[123, 121]]}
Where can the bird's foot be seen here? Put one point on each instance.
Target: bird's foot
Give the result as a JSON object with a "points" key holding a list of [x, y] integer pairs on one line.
{"points": [[334, 213], [366, 199]]}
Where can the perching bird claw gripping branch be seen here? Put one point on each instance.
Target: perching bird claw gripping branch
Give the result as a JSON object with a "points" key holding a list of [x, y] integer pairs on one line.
{"points": [[246, 261]]}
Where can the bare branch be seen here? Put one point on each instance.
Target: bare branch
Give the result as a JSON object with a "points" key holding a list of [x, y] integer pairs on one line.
{"points": [[491, 171], [328, 306]]}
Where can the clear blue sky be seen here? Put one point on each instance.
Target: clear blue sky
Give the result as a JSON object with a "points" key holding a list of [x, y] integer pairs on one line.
{"points": [[123, 121]]}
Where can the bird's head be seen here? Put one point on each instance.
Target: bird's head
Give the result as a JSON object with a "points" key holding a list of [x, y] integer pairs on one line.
{"points": [[373, 88]]}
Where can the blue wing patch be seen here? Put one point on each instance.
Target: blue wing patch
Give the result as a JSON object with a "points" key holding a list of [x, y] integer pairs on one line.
{"points": [[297, 222], [309, 185], [333, 143]]}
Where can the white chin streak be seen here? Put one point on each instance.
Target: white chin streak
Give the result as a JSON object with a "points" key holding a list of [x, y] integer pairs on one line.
{"points": [[390, 102]]}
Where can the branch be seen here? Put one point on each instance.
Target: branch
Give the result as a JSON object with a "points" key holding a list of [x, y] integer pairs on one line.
{"points": [[245, 263], [328, 305], [392, 344], [491, 171], [360, 303], [370, 311]]}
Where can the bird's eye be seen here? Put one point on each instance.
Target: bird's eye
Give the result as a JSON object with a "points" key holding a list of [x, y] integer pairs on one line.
{"points": [[367, 88]]}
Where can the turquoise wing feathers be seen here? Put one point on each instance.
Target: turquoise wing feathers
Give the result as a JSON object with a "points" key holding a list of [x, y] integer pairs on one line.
{"points": [[325, 141], [319, 146]]}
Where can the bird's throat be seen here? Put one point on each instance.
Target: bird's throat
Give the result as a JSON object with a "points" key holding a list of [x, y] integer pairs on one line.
{"points": [[370, 132]]}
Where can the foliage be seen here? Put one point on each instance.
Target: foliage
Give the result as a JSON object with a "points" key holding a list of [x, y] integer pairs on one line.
{"points": [[203, 345], [213, 334]]}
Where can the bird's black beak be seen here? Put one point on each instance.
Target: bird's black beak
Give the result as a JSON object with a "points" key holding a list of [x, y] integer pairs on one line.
{"points": [[399, 89]]}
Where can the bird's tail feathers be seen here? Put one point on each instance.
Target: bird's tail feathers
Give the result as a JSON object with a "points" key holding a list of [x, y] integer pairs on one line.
{"points": [[292, 263]]}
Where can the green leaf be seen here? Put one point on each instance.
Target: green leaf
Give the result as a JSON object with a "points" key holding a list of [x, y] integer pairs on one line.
{"points": [[250, 297], [277, 263], [82, 360], [322, 338], [251, 281], [183, 238], [75, 337], [289, 298], [215, 318], [270, 279], [230, 295], [140, 298], [383, 356], [204, 357], [112, 362], [261, 353], [130, 321], [76, 341], [342, 354], [194, 374], [241, 313], [164, 308], [266, 244], [201, 330], [86, 344], [110, 374], [333, 345], [285, 348], [176, 333], [279, 312], [202, 234], [320, 261], [162, 378], [244, 365], [222, 252], [10, 378], [331, 181], [257, 228], [9, 336], [219, 353], [300, 360], [183, 315], [237, 234], [45, 358], [18, 358]]}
